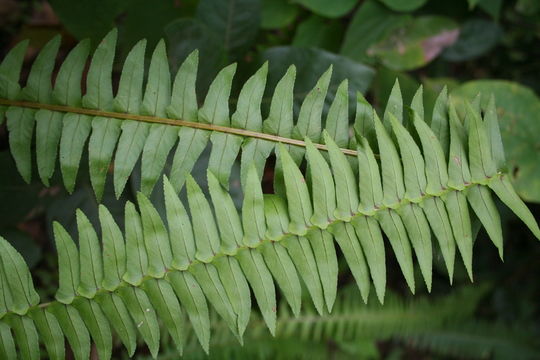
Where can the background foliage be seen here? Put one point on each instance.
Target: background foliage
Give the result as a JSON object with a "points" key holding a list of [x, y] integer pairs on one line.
{"points": [[488, 46]]}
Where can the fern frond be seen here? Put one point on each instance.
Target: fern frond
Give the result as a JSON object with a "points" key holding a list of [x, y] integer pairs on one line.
{"points": [[422, 183], [210, 256], [148, 124]]}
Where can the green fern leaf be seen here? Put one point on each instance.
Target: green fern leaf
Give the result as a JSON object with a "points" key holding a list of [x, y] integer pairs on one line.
{"points": [[156, 239], [128, 100], [440, 120], [7, 344], [347, 196], [97, 325], [394, 107], [26, 336], [276, 256], [180, 231], [10, 71], [252, 210], [337, 120], [193, 301], [74, 329], [22, 294], [89, 258], [300, 249], [105, 131], [161, 138], [50, 332], [120, 320], [136, 256], [237, 290], [144, 316], [21, 121], [167, 307]]}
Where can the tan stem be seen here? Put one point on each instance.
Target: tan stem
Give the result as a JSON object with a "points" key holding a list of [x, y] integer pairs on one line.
{"points": [[167, 121]]}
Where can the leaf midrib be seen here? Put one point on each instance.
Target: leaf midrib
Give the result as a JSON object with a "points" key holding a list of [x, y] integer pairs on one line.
{"points": [[166, 121]]}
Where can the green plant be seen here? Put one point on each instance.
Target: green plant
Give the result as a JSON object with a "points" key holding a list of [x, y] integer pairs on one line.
{"points": [[403, 175]]}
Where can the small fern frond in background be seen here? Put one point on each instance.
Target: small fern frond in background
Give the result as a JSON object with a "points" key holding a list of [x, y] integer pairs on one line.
{"points": [[477, 340], [441, 325]]}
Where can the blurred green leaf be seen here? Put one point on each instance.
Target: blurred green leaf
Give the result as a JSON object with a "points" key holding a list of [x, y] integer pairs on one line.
{"points": [[492, 7], [88, 19], [528, 7], [331, 9], [518, 109], [473, 3], [384, 81], [362, 348], [437, 84], [235, 22], [185, 35], [277, 13], [311, 63], [316, 32], [18, 197], [147, 20], [62, 209], [453, 9], [476, 37], [404, 5], [415, 43], [432, 89], [370, 23], [24, 244]]}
